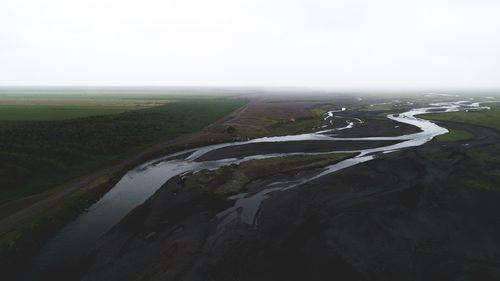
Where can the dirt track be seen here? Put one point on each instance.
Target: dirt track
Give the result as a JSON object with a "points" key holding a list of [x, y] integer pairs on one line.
{"points": [[403, 216], [19, 213], [12, 217]]}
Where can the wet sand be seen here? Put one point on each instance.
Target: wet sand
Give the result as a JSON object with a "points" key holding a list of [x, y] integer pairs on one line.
{"points": [[398, 217], [310, 146]]}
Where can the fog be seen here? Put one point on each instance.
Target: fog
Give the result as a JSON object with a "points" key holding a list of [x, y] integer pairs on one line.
{"points": [[305, 43]]}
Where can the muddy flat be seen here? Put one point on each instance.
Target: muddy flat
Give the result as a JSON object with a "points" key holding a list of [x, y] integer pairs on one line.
{"points": [[408, 206], [380, 219], [310, 146]]}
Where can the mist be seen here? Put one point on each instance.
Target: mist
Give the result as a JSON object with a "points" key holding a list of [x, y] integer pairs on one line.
{"points": [[320, 44]]}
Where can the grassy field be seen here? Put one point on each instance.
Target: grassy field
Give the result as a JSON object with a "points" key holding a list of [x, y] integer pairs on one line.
{"points": [[231, 179], [47, 112], [21, 108], [265, 125], [486, 174], [487, 118], [455, 135], [44, 107], [385, 107], [36, 156], [104, 95]]}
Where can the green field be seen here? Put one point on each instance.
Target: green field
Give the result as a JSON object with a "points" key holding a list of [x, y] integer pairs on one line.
{"points": [[384, 107], [231, 179], [47, 106], [36, 156], [455, 135], [272, 126], [487, 118], [486, 174], [47, 112], [139, 95]]}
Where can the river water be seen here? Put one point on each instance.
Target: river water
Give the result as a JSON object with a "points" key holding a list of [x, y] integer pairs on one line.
{"points": [[78, 236]]}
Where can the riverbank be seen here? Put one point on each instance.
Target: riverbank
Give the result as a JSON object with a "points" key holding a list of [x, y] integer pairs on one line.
{"points": [[409, 214], [27, 223], [24, 232], [37, 156], [199, 197], [243, 113]]}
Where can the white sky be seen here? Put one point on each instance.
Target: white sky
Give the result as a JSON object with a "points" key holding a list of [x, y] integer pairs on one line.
{"points": [[338, 43]]}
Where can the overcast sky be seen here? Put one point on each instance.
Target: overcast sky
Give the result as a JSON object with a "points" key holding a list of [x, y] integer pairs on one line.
{"points": [[314, 43]]}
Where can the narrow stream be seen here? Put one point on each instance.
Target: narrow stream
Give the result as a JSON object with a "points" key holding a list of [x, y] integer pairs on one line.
{"points": [[77, 237]]}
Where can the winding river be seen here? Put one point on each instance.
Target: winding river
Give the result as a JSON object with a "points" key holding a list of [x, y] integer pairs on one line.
{"points": [[77, 237]]}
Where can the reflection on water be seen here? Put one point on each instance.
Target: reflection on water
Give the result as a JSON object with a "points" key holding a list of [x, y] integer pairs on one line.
{"points": [[140, 183]]}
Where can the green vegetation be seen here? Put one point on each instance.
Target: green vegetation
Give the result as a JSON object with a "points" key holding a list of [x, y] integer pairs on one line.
{"points": [[37, 156], [385, 107], [487, 118], [481, 184], [267, 126], [296, 126], [439, 156], [455, 135], [46, 113], [484, 155], [231, 179], [300, 124], [486, 174], [105, 95], [50, 106], [8, 124], [18, 244]]}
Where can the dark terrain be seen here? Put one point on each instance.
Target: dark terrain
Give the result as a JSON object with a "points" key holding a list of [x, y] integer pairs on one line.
{"points": [[290, 147], [422, 213], [406, 215]]}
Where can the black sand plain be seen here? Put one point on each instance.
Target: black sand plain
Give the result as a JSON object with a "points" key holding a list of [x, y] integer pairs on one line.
{"points": [[402, 216]]}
